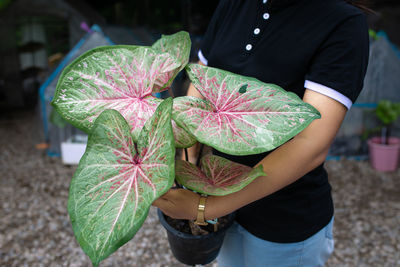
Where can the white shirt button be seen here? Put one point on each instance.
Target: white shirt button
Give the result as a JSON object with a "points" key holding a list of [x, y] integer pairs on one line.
{"points": [[249, 47], [265, 16], [256, 31]]}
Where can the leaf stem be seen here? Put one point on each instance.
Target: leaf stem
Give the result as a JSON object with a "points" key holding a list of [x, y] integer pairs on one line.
{"points": [[177, 184], [171, 93], [186, 154], [199, 155], [384, 136]]}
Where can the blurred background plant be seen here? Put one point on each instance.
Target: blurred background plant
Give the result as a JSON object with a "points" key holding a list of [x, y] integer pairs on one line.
{"points": [[387, 112]]}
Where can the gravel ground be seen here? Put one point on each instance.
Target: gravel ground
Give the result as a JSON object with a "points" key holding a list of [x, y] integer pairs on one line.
{"points": [[35, 229]]}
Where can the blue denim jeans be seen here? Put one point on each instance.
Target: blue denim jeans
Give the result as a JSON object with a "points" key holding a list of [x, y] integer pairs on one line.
{"points": [[242, 249]]}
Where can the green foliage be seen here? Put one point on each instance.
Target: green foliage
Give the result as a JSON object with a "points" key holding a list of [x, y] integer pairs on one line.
{"points": [[4, 3], [387, 111]]}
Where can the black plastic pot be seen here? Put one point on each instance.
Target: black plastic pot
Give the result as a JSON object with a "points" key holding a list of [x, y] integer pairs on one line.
{"points": [[190, 249]]}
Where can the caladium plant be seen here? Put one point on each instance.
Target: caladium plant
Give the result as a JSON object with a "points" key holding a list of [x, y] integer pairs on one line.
{"points": [[129, 160]]}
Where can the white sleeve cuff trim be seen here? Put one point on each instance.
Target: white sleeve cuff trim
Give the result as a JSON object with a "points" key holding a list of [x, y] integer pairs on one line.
{"points": [[322, 89], [202, 58]]}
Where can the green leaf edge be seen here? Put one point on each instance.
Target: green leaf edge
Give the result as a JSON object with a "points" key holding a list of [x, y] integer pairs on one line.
{"points": [[180, 34], [189, 144]]}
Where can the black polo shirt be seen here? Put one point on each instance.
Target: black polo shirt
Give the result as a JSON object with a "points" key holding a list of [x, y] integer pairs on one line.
{"points": [[321, 45]]}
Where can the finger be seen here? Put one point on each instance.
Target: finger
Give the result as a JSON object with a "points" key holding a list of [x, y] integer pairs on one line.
{"points": [[156, 203], [159, 202]]}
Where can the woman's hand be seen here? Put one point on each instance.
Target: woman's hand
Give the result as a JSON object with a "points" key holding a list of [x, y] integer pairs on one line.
{"points": [[178, 204]]}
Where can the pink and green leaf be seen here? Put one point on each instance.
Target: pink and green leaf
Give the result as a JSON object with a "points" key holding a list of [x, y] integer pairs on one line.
{"points": [[183, 139], [178, 45], [240, 115], [118, 77], [115, 183], [216, 176]]}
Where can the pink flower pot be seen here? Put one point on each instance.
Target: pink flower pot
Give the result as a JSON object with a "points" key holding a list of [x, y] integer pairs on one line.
{"points": [[384, 157]]}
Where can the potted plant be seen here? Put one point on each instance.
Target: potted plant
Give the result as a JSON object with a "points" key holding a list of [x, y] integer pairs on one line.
{"points": [[130, 156], [384, 150]]}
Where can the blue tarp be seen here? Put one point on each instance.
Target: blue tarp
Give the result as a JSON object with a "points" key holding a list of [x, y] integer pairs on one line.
{"points": [[54, 135]]}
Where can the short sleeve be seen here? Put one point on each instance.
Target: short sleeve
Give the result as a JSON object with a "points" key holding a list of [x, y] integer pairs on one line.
{"points": [[212, 30], [339, 65]]}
